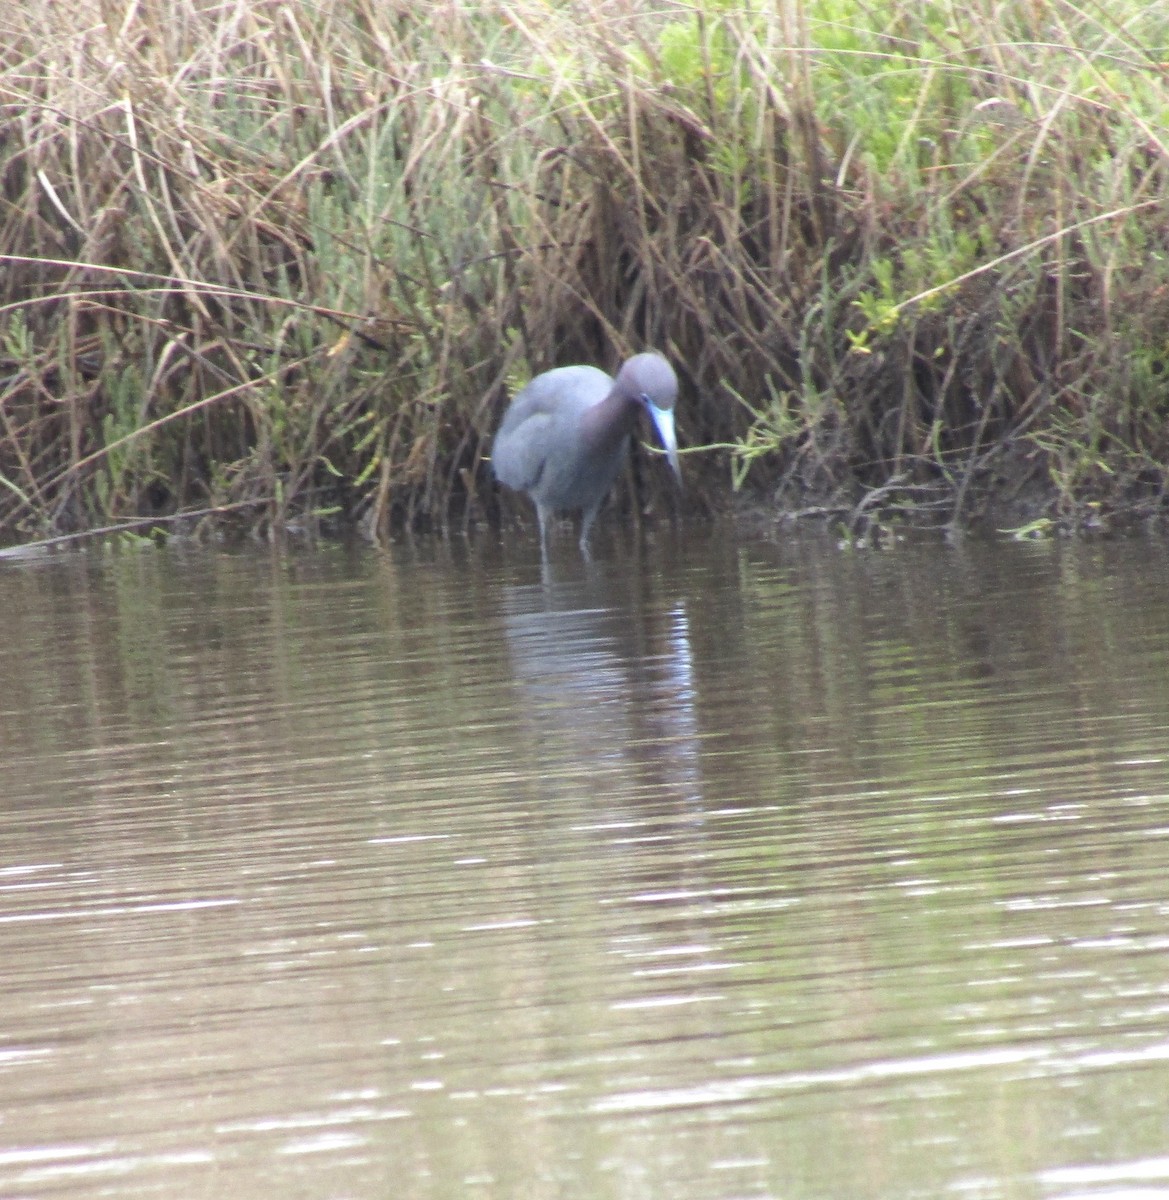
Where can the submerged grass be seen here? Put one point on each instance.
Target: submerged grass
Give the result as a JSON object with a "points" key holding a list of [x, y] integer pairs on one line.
{"points": [[286, 259]]}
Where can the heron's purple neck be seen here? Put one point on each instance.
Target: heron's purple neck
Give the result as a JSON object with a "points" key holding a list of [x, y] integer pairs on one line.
{"points": [[605, 424]]}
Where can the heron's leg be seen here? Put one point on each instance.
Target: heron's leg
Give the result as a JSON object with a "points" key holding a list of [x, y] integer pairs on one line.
{"points": [[586, 525], [542, 514]]}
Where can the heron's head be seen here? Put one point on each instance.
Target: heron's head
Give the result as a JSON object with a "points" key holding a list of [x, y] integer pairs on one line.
{"points": [[650, 380]]}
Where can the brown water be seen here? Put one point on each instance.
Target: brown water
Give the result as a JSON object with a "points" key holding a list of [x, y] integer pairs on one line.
{"points": [[717, 871]]}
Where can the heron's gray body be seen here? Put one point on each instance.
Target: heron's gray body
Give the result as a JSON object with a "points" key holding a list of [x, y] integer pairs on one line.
{"points": [[565, 437]]}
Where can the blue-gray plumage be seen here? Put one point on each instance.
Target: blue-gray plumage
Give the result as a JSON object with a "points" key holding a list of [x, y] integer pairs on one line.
{"points": [[565, 437]]}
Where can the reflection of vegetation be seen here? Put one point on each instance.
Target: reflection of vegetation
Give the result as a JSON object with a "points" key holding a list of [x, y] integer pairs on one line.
{"points": [[914, 241]]}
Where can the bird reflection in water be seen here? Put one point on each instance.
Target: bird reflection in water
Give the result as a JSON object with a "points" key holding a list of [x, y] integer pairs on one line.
{"points": [[608, 681]]}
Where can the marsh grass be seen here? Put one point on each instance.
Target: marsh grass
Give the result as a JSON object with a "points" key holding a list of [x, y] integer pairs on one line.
{"points": [[282, 261]]}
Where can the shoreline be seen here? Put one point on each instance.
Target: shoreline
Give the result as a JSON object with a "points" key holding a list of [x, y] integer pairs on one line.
{"points": [[904, 266]]}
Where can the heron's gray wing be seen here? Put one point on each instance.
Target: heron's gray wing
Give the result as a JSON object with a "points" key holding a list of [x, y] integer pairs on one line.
{"points": [[541, 416]]}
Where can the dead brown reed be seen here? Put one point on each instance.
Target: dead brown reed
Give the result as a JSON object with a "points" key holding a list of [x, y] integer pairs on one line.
{"points": [[285, 260]]}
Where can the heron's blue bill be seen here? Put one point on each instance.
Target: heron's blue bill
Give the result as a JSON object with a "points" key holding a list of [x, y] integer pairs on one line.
{"points": [[663, 419]]}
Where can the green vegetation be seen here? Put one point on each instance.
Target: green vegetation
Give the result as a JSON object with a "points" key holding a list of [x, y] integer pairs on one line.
{"points": [[285, 259]]}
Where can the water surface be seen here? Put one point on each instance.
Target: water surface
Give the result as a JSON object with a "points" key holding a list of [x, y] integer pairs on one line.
{"points": [[709, 869]]}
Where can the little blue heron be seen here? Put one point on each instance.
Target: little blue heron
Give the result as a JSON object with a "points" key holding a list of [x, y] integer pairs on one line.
{"points": [[564, 438]]}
